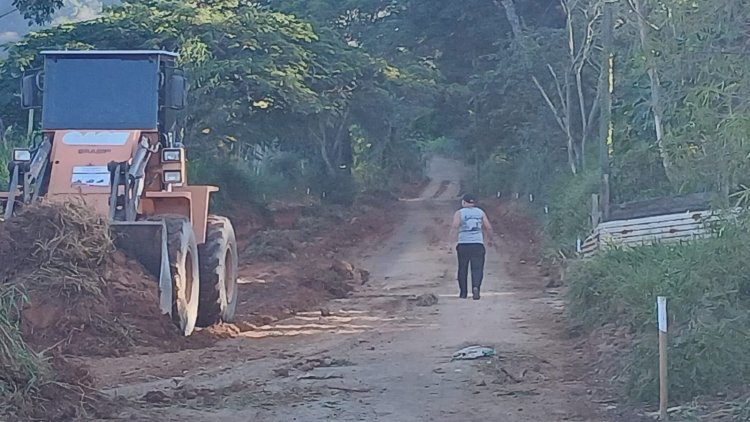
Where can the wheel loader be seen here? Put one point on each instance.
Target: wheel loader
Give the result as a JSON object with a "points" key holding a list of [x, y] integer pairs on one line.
{"points": [[112, 136]]}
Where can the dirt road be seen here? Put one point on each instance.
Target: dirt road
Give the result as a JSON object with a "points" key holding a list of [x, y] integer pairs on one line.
{"points": [[378, 355]]}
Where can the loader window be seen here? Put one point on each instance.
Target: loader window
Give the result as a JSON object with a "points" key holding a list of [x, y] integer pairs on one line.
{"points": [[100, 93]]}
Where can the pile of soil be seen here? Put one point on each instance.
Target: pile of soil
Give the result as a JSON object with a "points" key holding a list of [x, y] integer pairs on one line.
{"points": [[272, 245], [279, 292], [287, 271], [80, 297], [85, 298]]}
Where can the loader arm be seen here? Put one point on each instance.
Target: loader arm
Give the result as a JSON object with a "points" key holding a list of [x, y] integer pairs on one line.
{"points": [[27, 179]]}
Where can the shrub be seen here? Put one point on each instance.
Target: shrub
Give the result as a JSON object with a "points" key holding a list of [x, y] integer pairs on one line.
{"points": [[10, 138], [569, 210], [236, 181], [443, 146], [708, 291], [340, 189]]}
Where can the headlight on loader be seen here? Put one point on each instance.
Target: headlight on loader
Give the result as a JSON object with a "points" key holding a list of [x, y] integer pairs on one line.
{"points": [[22, 155], [171, 155], [172, 176]]}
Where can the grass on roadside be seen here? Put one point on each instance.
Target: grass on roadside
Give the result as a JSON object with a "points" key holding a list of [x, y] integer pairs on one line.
{"points": [[707, 284], [22, 371]]}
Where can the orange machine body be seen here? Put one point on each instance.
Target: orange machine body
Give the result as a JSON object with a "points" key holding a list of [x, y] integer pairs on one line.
{"points": [[78, 163]]}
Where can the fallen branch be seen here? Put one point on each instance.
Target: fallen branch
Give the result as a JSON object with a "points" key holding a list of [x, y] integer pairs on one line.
{"points": [[319, 377], [531, 392], [349, 390]]}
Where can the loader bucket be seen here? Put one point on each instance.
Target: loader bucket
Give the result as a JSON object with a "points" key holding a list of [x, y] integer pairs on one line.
{"points": [[146, 241]]}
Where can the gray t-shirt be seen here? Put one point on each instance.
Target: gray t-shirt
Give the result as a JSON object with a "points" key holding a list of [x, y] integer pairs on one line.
{"points": [[470, 229]]}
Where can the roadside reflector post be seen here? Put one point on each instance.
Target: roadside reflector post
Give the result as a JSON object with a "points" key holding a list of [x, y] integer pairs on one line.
{"points": [[661, 305]]}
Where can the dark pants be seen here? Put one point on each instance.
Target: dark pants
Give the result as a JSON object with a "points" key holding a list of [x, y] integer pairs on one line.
{"points": [[470, 254]]}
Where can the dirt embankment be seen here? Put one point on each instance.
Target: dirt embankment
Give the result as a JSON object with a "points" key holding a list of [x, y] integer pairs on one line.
{"points": [[518, 225], [68, 293], [299, 264]]}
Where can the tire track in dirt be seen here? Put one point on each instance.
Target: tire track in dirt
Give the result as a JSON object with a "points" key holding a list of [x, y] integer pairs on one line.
{"points": [[441, 189]]}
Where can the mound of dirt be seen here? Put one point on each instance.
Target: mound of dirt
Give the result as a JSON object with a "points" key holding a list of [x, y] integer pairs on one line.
{"points": [[272, 245], [71, 293], [85, 298], [282, 291]]}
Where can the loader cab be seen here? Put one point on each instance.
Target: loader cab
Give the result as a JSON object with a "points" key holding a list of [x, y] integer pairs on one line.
{"points": [[111, 130], [108, 90]]}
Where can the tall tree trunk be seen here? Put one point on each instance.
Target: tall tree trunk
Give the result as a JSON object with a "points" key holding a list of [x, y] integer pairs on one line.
{"points": [[342, 153], [656, 102], [2, 135], [559, 117], [606, 82], [584, 120], [323, 144], [510, 12], [568, 116]]}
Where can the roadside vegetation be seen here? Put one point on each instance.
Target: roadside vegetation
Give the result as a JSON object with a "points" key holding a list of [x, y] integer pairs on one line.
{"points": [[709, 306], [332, 99]]}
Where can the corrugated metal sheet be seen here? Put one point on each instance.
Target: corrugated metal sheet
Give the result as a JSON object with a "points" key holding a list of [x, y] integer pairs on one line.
{"points": [[635, 232]]}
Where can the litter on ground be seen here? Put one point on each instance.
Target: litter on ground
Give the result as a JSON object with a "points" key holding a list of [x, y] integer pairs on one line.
{"points": [[474, 352]]}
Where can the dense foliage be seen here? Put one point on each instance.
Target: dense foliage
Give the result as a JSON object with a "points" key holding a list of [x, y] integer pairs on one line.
{"points": [[343, 95], [264, 85]]}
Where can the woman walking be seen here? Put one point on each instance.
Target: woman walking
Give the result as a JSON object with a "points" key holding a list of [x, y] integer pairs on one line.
{"points": [[473, 229]]}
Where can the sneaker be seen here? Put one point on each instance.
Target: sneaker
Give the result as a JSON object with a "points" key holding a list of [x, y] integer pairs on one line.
{"points": [[462, 295], [475, 293]]}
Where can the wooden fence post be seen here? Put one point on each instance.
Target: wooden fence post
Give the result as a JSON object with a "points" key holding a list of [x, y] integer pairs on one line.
{"points": [[661, 304]]}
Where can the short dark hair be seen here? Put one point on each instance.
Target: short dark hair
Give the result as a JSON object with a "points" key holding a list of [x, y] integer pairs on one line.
{"points": [[470, 198]]}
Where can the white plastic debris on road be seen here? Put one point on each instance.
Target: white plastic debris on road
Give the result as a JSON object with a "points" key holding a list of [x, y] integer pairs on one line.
{"points": [[474, 352]]}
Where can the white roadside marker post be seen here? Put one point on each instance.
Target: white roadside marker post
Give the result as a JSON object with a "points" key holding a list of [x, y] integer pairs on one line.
{"points": [[661, 304]]}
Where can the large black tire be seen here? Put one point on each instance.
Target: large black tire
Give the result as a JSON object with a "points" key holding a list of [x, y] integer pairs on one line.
{"points": [[218, 273], [184, 267]]}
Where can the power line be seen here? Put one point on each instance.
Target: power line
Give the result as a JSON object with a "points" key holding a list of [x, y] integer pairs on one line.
{"points": [[9, 12]]}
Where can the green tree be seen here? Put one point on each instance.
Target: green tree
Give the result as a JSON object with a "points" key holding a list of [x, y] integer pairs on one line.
{"points": [[257, 75], [38, 11]]}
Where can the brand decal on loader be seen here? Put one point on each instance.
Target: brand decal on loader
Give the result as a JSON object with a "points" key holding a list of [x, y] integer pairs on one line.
{"points": [[96, 138], [94, 151]]}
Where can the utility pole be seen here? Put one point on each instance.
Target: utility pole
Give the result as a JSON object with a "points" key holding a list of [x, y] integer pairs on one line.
{"points": [[605, 122]]}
